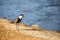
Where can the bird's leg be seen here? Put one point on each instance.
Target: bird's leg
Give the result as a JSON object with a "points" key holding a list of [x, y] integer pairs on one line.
{"points": [[17, 26]]}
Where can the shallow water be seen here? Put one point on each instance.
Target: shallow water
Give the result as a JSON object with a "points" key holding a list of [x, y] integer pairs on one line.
{"points": [[45, 13]]}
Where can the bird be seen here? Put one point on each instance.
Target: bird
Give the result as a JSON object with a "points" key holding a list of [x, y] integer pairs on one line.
{"points": [[18, 20]]}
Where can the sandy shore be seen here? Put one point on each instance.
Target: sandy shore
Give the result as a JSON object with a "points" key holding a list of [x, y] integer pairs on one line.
{"points": [[9, 31]]}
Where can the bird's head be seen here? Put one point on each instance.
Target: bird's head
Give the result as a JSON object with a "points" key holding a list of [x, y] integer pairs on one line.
{"points": [[21, 16]]}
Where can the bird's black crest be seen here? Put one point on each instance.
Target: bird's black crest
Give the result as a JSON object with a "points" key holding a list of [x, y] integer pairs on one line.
{"points": [[21, 15]]}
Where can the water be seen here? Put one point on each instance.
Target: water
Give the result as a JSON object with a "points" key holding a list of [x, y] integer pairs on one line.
{"points": [[45, 13]]}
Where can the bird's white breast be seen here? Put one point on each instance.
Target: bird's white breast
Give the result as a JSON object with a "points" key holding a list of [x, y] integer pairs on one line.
{"points": [[20, 17]]}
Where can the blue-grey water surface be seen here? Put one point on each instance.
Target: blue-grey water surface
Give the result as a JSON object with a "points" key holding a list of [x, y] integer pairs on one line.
{"points": [[45, 13]]}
